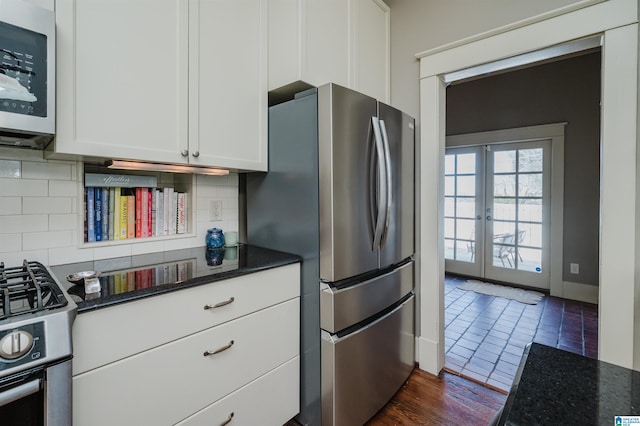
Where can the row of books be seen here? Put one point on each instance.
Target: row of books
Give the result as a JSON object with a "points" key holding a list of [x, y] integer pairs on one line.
{"points": [[118, 213]]}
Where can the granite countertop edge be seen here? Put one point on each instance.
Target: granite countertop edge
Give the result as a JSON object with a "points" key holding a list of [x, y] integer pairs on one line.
{"points": [[267, 259]]}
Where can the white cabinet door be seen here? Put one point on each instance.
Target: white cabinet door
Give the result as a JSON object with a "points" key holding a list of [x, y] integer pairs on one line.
{"points": [[122, 78], [228, 83], [371, 67], [338, 41], [308, 41]]}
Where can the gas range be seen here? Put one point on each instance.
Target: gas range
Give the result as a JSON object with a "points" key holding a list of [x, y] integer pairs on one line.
{"points": [[36, 316]]}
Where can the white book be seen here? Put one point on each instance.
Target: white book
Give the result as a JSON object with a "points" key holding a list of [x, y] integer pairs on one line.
{"points": [[174, 212], [168, 196], [180, 218], [160, 214]]}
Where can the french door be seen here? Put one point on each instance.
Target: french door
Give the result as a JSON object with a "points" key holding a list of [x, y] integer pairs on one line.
{"points": [[497, 209]]}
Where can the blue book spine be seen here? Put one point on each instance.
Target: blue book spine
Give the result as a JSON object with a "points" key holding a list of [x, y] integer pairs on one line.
{"points": [[98, 209], [105, 214], [91, 229]]}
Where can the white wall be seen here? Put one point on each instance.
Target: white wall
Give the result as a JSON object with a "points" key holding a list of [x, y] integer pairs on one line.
{"points": [[41, 209], [419, 25]]}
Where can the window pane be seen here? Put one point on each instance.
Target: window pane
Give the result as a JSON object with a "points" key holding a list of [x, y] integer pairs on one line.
{"points": [[449, 164], [503, 256], [448, 249], [530, 210], [504, 161], [465, 228], [466, 185], [504, 208], [503, 232], [449, 228], [530, 234], [464, 251], [504, 185], [466, 164], [530, 185], [530, 160], [449, 185], [465, 207], [531, 260], [449, 210]]}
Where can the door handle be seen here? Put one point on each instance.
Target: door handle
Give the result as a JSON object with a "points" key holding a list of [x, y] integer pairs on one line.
{"points": [[489, 217], [478, 217], [381, 185]]}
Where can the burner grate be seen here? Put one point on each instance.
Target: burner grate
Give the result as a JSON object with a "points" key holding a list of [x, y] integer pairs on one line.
{"points": [[29, 288]]}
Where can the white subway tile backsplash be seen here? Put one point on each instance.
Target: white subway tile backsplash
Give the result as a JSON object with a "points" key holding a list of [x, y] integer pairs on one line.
{"points": [[10, 242], [10, 205], [62, 222], [46, 240], [10, 169], [64, 188], [23, 187], [51, 171], [11, 224], [47, 205], [16, 257], [41, 207]]}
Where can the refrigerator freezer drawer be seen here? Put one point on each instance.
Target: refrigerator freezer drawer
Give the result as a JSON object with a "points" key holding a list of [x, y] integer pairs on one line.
{"points": [[363, 370], [342, 308]]}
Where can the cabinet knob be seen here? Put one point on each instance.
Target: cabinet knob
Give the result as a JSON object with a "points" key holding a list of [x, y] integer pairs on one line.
{"points": [[196, 153], [185, 152]]}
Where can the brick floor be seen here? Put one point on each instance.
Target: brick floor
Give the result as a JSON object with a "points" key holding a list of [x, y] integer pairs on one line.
{"points": [[486, 335]]}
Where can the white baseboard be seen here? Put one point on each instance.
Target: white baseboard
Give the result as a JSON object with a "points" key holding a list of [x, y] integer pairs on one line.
{"points": [[430, 355], [580, 292]]}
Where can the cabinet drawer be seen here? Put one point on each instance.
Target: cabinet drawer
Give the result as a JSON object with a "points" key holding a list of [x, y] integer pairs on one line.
{"points": [[144, 324], [167, 384], [272, 399]]}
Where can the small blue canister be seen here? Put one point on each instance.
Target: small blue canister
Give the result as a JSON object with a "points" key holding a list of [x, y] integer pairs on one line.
{"points": [[215, 238]]}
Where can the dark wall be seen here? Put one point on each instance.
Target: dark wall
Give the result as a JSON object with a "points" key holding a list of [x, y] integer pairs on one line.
{"points": [[566, 90]]}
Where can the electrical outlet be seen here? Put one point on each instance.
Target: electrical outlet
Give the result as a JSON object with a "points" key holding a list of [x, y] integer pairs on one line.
{"points": [[574, 268], [215, 210]]}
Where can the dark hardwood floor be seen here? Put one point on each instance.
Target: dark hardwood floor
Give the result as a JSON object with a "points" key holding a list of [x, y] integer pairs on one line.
{"points": [[445, 400]]}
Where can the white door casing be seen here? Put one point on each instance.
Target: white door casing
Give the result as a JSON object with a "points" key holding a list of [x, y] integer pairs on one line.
{"points": [[617, 22]]}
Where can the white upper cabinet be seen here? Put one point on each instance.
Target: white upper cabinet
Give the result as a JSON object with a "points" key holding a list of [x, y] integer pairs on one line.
{"points": [[179, 81], [228, 83], [340, 41]]}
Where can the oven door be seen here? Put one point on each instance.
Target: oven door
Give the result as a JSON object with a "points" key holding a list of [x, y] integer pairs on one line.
{"points": [[22, 398], [37, 397]]}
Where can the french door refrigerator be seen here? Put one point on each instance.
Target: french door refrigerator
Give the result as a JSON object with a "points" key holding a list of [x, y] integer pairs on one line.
{"points": [[340, 193]]}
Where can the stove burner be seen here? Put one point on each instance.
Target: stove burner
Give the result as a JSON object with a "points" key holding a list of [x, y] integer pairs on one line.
{"points": [[28, 289]]}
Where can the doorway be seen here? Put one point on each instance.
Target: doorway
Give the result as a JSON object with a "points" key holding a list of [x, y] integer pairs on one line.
{"points": [[618, 248], [497, 210]]}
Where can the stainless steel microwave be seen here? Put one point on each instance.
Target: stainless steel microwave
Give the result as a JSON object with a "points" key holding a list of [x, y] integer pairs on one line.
{"points": [[27, 74]]}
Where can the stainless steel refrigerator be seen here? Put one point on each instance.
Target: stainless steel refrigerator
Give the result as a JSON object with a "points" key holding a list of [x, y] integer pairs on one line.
{"points": [[340, 193]]}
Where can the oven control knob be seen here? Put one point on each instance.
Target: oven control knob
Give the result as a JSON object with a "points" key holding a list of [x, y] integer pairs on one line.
{"points": [[15, 344]]}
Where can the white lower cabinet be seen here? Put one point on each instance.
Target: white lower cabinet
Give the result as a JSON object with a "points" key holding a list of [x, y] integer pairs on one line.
{"points": [[246, 365], [269, 397]]}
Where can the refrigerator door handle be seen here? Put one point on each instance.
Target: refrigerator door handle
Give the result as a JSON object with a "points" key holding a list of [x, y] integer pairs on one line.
{"points": [[389, 183], [382, 179]]}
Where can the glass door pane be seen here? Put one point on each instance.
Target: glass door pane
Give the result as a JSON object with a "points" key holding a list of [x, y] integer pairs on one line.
{"points": [[463, 176], [515, 206]]}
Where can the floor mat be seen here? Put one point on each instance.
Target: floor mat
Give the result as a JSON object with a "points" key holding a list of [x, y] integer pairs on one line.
{"points": [[524, 296]]}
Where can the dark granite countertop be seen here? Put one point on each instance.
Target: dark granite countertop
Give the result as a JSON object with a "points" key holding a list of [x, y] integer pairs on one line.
{"points": [[129, 278], [555, 387]]}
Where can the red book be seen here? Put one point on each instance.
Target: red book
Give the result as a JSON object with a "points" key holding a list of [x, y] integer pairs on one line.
{"points": [[144, 202], [138, 212], [150, 212]]}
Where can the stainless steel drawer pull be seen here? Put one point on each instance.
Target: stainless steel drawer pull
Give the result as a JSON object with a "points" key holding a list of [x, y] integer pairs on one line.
{"points": [[217, 305], [217, 351], [226, 422]]}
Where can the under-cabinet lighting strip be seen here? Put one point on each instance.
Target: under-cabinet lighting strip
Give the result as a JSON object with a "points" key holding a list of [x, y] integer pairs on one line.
{"points": [[159, 167]]}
